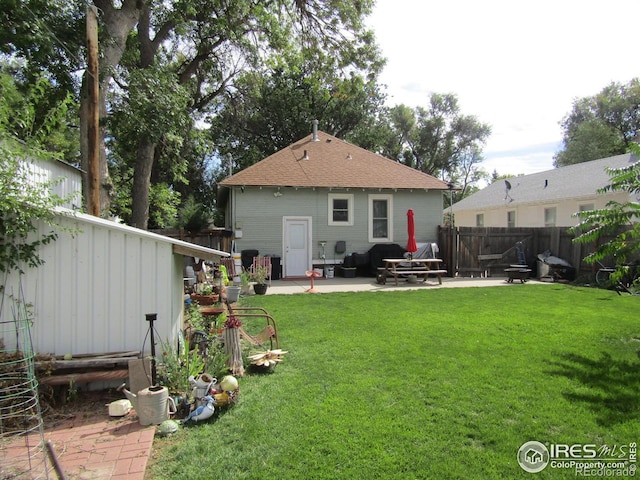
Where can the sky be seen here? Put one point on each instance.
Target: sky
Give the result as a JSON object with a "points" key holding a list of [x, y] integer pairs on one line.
{"points": [[517, 66]]}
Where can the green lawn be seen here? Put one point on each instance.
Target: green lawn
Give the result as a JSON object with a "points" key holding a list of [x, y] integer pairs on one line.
{"points": [[430, 384]]}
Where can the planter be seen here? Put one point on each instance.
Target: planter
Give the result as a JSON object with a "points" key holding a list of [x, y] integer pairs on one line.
{"points": [[260, 288], [232, 294], [349, 272], [204, 299], [246, 290]]}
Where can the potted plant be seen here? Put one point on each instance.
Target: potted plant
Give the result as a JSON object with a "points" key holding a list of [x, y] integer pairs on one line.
{"points": [[245, 283], [259, 275], [205, 295]]}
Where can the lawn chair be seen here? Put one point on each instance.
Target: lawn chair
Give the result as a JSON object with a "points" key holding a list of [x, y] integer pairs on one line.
{"points": [[263, 262], [230, 266], [268, 334]]}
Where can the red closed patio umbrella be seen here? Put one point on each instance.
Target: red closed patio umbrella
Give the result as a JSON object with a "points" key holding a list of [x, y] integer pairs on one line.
{"points": [[411, 230]]}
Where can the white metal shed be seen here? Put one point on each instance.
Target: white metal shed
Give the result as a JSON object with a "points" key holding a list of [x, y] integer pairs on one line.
{"points": [[97, 285]]}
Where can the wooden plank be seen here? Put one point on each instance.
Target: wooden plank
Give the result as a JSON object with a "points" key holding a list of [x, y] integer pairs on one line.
{"points": [[83, 363], [98, 376]]}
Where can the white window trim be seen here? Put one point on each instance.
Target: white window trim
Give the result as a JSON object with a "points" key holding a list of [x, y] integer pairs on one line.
{"points": [[515, 219], [555, 216], [389, 199], [350, 206]]}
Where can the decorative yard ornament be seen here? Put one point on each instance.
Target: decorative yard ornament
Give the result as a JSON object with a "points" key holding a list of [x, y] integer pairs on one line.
{"points": [[229, 383], [268, 358], [203, 412]]}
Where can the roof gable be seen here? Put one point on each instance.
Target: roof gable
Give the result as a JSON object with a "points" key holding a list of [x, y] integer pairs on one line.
{"points": [[332, 163], [572, 181]]}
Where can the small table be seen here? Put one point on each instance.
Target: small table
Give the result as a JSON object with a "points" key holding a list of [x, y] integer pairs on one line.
{"points": [[517, 272], [417, 266]]}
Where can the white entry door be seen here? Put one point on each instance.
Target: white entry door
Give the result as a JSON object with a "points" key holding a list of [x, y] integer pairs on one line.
{"points": [[297, 246]]}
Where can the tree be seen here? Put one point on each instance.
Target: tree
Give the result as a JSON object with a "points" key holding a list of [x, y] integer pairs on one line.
{"points": [[204, 46], [619, 218], [435, 140], [24, 200], [269, 109], [602, 125]]}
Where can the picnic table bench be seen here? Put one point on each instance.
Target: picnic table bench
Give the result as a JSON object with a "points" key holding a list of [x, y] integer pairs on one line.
{"points": [[397, 267]]}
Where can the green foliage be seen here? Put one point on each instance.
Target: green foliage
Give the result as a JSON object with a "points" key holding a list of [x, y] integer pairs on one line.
{"points": [[24, 200], [259, 274], [381, 387], [177, 364], [437, 139], [620, 218], [31, 113], [192, 216], [602, 125], [164, 205]]}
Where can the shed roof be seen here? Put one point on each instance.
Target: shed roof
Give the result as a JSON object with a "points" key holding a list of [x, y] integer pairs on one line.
{"points": [[333, 163], [180, 247], [572, 181]]}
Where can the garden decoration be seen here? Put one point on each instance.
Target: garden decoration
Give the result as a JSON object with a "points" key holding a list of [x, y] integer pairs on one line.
{"points": [[202, 412], [166, 428], [268, 358], [202, 385], [232, 347], [312, 274]]}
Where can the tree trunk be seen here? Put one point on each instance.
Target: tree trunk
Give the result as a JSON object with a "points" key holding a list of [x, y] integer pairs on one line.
{"points": [[118, 24], [141, 184]]}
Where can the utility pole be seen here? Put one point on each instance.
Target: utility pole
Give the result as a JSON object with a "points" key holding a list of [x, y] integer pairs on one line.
{"points": [[93, 130]]}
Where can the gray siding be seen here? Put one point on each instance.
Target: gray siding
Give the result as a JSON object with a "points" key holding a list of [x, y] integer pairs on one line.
{"points": [[258, 213]]}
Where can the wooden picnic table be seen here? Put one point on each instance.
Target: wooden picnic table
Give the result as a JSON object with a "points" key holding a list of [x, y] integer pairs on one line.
{"points": [[402, 267]]}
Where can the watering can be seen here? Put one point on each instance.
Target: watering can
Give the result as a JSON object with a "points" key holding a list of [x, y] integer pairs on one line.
{"points": [[153, 404], [201, 386]]}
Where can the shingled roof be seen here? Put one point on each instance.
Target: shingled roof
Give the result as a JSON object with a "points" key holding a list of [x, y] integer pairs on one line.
{"points": [[327, 161], [572, 181]]}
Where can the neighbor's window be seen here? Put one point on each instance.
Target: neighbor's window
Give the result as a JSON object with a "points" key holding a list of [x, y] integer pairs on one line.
{"points": [[550, 217], [380, 218], [480, 220], [511, 218], [586, 207], [340, 209]]}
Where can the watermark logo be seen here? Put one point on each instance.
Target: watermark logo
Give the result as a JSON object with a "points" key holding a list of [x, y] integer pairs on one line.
{"points": [[586, 460], [533, 457]]}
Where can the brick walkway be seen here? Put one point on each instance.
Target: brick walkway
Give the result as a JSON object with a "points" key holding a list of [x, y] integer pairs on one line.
{"points": [[102, 447]]}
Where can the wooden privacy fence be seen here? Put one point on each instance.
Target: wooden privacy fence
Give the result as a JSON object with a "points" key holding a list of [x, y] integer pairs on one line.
{"points": [[481, 251]]}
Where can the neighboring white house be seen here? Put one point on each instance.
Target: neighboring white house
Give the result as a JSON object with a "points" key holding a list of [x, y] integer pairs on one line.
{"points": [[67, 178], [321, 190], [544, 199]]}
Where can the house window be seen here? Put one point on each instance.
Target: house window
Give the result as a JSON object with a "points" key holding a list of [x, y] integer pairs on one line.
{"points": [[340, 209], [380, 218], [550, 217], [511, 218], [586, 207], [480, 220]]}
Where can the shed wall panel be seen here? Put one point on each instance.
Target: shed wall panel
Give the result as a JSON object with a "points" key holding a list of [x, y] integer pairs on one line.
{"points": [[94, 290]]}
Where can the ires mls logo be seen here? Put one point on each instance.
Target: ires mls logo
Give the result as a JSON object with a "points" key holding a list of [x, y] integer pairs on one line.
{"points": [[533, 457], [586, 459]]}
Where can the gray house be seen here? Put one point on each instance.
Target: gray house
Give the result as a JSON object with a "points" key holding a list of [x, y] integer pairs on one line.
{"points": [[545, 199], [302, 201]]}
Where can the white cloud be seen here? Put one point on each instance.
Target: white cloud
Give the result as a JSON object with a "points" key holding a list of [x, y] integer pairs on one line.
{"points": [[513, 65]]}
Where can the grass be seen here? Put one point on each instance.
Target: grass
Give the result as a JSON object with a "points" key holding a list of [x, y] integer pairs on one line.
{"points": [[424, 384]]}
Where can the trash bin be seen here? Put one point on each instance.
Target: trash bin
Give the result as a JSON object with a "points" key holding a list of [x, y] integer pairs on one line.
{"points": [[275, 267], [246, 257]]}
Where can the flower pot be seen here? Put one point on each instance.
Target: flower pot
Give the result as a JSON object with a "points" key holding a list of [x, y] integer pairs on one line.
{"points": [[232, 294], [205, 299], [260, 288]]}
